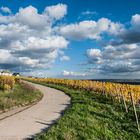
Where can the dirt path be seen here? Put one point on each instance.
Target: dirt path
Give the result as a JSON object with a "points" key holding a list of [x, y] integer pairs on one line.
{"points": [[37, 118]]}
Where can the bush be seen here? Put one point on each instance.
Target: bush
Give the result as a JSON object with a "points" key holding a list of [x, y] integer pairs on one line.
{"points": [[6, 87], [17, 79], [7, 82]]}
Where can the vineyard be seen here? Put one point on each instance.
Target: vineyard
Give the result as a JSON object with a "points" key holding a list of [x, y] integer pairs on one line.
{"points": [[99, 110], [127, 95], [106, 88]]}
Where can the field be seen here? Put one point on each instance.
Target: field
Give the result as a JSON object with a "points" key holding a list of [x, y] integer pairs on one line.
{"points": [[21, 94], [91, 116], [114, 90]]}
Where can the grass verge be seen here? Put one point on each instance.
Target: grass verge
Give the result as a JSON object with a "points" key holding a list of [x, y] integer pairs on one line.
{"points": [[21, 95], [91, 117]]}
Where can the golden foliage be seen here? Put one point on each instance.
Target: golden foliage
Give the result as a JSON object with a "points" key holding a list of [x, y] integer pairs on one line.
{"points": [[107, 88], [7, 82]]}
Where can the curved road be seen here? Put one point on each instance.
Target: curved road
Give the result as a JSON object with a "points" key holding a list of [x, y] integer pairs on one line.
{"points": [[37, 118]]}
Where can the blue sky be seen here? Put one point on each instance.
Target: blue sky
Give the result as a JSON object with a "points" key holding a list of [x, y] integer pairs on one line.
{"points": [[71, 39]]}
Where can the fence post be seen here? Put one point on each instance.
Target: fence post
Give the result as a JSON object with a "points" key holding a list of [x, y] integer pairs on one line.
{"points": [[124, 102], [119, 99], [134, 109]]}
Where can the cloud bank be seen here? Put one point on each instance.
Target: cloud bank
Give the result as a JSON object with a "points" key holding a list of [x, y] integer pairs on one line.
{"points": [[27, 40], [122, 54], [30, 40]]}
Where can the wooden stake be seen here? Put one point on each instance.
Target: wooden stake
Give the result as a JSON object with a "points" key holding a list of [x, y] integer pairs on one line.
{"points": [[124, 102], [103, 92], [135, 113], [119, 99]]}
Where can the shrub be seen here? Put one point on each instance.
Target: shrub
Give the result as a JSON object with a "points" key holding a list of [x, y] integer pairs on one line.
{"points": [[17, 79], [7, 82], [6, 87]]}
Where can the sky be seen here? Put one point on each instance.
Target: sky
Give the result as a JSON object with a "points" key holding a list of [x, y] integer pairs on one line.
{"points": [[82, 39]]}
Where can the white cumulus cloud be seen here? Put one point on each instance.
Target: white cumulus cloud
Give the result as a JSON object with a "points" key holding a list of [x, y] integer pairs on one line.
{"points": [[65, 58], [27, 39], [72, 74], [89, 29], [5, 10], [57, 11]]}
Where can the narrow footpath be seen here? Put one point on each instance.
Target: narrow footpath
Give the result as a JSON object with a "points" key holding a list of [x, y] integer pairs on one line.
{"points": [[37, 118]]}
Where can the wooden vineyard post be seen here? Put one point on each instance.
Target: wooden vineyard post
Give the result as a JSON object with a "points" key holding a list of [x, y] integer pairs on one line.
{"points": [[103, 89], [134, 109], [119, 99], [124, 102], [104, 93]]}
